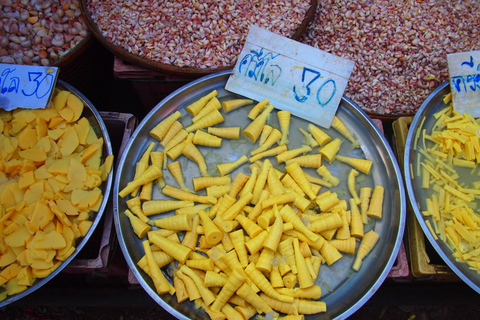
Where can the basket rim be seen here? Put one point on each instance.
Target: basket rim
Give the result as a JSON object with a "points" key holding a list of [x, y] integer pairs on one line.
{"points": [[74, 53]]}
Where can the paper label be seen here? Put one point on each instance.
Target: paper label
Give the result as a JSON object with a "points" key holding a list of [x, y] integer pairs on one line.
{"points": [[464, 71], [29, 87], [293, 76]]}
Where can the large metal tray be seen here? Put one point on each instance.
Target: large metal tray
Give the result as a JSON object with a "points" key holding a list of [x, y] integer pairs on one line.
{"points": [[343, 290], [417, 194], [100, 129]]}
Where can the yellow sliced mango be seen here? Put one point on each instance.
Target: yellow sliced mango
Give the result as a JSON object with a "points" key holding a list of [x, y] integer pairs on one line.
{"points": [[59, 213], [11, 271], [21, 119], [50, 172], [85, 199], [62, 179], [68, 235], [44, 143], [75, 230], [69, 142], [58, 166], [40, 264], [95, 159], [16, 216], [38, 253], [67, 207], [25, 277], [51, 226], [106, 167], [76, 175], [28, 210], [59, 101], [27, 138], [63, 254], [25, 115], [83, 129], [92, 136], [45, 114], [41, 128], [67, 114], [22, 258], [55, 134], [10, 144], [48, 241], [26, 179], [55, 185], [97, 206], [27, 165], [6, 128], [18, 250], [13, 287], [83, 216], [17, 126], [76, 105], [9, 195], [84, 226], [42, 215], [19, 237], [13, 167], [38, 188], [32, 197], [41, 173], [42, 273], [93, 181], [89, 152], [34, 154], [10, 227], [8, 257], [55, 122]]}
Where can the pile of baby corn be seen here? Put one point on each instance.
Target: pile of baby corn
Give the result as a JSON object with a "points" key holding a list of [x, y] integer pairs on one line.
{"points": [[249, 244]]}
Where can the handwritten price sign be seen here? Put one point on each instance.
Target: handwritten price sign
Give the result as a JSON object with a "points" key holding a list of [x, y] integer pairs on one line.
{"points": [[27, 87], [464, 70], [293, 76]]}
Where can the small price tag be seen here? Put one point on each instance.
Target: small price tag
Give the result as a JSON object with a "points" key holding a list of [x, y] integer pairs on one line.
{"points": [[464, 72], [293, 76], [29, 87]]}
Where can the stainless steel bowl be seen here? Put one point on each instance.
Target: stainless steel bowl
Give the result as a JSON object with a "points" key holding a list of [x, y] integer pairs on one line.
{"points": [[344, 291], [417, 194], [100, 129]]}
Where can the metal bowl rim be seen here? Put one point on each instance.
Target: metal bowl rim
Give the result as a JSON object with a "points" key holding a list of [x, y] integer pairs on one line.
{"points": [[106, 196], [372, 288], [411, 195]]}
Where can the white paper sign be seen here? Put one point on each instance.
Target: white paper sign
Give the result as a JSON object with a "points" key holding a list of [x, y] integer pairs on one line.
{"points": [[293, 76], [464, 71], [29, 87]]}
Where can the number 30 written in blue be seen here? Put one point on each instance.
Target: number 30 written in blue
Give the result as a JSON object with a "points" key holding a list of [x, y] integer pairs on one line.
{"points": [[315, 75], [43, 84]]}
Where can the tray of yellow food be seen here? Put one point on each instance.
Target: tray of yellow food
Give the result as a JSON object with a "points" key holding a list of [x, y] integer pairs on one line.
{"points": [[56, 180], [442, 180], [227, 207]]}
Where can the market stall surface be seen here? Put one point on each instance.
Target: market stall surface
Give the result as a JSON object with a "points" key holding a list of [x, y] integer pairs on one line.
{"points": [[150, 313], [109, 295]]}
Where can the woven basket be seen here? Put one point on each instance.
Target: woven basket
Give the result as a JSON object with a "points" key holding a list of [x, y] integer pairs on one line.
{"points": [[168, 68]]}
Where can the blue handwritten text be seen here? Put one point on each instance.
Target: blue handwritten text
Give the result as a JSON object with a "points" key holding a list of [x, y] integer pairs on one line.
{"points": [[470, 82], [309, 76], [8, 82], [258, 66]]}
